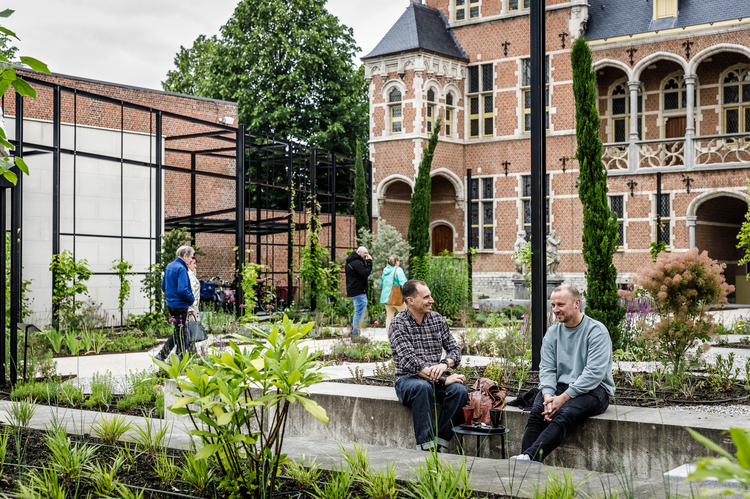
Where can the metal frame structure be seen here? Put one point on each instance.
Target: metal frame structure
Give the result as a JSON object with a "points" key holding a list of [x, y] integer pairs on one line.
{"points": [[261, 169], [538, 167]]}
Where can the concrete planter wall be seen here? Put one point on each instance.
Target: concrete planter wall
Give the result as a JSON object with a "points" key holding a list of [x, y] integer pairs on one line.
{"points": [[639, 442], [643, 442]]}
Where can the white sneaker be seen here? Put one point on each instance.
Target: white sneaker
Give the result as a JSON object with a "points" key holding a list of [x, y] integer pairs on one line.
{"points": [[521, 457]]}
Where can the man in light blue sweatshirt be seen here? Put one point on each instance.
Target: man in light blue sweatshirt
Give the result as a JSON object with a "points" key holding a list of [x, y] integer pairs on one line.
{"points": [[575, 376]]}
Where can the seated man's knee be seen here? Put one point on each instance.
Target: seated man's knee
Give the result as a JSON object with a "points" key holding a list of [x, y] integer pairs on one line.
{"points": [[419, 388], [456, 389]]}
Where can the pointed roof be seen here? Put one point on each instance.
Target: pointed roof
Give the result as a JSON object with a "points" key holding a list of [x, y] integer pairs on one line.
{"points": [[420, 28]]}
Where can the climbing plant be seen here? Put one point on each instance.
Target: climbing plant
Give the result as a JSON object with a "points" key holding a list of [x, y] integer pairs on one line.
{"points": [[123, 270]]}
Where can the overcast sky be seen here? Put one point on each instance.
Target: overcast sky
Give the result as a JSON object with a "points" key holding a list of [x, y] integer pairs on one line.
{"points": [[134, 41]]}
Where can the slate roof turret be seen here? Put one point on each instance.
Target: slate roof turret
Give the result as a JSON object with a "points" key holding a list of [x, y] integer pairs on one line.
{"points": [[420, 28]]}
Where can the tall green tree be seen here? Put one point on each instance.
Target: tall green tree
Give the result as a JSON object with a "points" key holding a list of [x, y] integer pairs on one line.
{"points": [[191, 67], [599, 226], [418, 235], [289, 65], [360, 193]]}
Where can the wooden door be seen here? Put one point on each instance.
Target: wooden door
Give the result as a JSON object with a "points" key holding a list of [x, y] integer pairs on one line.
{"points": [[675, 129], [442, 239]]}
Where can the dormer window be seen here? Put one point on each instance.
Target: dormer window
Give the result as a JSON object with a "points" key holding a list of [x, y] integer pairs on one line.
{"points": [[665, 8]]}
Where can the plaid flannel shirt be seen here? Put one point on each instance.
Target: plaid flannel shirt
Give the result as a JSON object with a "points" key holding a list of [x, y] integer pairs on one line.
{"points": [[418, 346]]}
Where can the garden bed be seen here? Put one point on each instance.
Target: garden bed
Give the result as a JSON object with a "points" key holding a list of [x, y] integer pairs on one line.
{"points": [[157, 473], [142, 394], [635, 389]]}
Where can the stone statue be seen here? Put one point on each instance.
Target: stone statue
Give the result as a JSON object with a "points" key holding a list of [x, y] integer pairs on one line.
{"points": [[553, 255], [517, 247]]}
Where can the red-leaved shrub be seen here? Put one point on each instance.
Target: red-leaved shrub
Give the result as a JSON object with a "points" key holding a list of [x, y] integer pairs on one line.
{"points": [[683, 286]]}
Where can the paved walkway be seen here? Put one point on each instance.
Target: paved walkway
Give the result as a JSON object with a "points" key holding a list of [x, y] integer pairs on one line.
{"points": [[498, 476]]}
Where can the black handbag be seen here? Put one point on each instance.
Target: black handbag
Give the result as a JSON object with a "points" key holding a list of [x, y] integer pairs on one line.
{"points": [[196, 332]]}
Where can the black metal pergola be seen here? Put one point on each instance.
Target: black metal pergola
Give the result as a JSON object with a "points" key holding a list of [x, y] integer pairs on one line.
{"points": [[260, 188]]}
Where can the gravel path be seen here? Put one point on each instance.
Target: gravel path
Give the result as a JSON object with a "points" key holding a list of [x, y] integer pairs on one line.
{"points": [[727, 410]]}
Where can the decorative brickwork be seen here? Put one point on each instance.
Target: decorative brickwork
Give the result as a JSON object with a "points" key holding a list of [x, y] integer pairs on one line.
{"points": [[658, 59]]}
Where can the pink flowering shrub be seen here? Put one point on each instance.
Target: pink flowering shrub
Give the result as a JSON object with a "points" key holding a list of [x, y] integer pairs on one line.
{"points": [[683, 286]]}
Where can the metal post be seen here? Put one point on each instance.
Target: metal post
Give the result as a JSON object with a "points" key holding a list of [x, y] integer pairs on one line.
{"points": [[468, 230], [193, 168], [55, 189], [333, 207], [15, 247], [159, 172], [290, 247], [258, 190], [3, 263], [313, 201], [239, 167], [538, 167]]}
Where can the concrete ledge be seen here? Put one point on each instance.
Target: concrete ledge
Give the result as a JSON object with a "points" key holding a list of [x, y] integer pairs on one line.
{"points": [[644, 442]]}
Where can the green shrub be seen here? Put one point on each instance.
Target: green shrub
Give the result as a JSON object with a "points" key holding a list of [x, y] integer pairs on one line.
{"points": [[515, 311], [448, 280], [140, 391], [385, 242], [102, 391], [49, 392], [279, 367]]}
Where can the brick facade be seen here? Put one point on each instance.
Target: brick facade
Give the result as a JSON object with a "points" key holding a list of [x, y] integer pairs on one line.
{"points": [[715, 183]]}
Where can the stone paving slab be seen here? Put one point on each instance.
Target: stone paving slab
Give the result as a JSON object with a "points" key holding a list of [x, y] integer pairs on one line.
{"points": [[499, 476]]}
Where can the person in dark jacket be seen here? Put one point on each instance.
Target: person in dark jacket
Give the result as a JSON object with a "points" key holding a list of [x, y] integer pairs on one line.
{"points": [[358, 268], [179, 294]]}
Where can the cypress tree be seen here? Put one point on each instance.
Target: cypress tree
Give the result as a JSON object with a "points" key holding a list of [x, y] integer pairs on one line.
{"points": [[599, 227], [360, 194], [418, 235]]}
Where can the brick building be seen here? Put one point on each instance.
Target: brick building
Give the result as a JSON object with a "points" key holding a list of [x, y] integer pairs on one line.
{"points": [[673, 79]]}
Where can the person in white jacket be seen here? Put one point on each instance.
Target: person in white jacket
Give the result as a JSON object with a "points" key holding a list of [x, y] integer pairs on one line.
{"points": [[195, 284]]}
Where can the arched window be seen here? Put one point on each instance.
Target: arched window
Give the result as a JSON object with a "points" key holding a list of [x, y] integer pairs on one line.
{"points": [[430, 109], [449, 113], [621, 113], [675, 95], [395, 111], [736, 101]]}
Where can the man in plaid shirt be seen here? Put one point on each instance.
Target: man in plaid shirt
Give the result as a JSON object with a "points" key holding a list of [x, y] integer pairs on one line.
{"points": [[418, 337]]}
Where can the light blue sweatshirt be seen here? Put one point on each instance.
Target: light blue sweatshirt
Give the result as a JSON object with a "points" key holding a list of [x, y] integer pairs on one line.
{"points": [[391, 275], [581, 357]]}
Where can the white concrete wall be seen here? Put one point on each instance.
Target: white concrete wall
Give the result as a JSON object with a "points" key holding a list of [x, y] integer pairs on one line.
{"points": [[97, 205]]}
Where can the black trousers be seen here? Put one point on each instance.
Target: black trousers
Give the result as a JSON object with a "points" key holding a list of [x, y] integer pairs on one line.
{"points": [[179, 337]]}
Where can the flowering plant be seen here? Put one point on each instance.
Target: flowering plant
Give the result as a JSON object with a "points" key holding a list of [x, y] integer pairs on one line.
{"points": [[683, 286]]}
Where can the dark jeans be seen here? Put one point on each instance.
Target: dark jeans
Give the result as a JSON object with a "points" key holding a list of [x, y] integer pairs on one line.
{"points": [[541, 438], [179, 337], [419, 395]]}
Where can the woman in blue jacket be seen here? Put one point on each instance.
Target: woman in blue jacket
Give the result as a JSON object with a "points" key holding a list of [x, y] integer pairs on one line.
{"points": [[392, 274]]}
